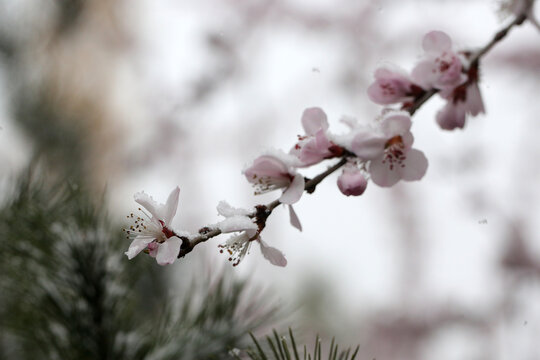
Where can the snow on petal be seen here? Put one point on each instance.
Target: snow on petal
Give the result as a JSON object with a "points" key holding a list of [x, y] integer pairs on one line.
{"points": [[367, 145], [272, 254], [313, 120], [294, 191], [225, 209], [293, 218], [168, 251], [236, 223], [148, 203]]}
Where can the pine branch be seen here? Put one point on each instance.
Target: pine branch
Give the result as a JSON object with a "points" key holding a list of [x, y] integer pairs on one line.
{"points": [[66, 292], [283, 348]]}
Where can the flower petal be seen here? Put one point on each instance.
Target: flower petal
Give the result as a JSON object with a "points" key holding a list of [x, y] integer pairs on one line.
{"points": [[389, 87], [396, 124], [137, 245], [266, 165], [295, 221], [382, 175], [168, 251], [148, 203], [416, 165], [315, 149], [425, 74], [451, 116], [436, 41], [273, 255], [475, 104], [170, 206], [408, 139], [153, 249], [313, 120], [294, 192]]}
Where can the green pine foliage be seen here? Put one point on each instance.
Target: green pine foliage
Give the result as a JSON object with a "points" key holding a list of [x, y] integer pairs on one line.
{"points": [[68, 292], [277, 347]]}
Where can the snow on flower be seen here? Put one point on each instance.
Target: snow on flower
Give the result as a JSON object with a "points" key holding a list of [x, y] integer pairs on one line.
{"points": [[388, 149], [272, 172], [240, 220], [238, 246], [392, 86], [352, 181], [315, 146], [152, 232], [236, 219], [441, 66]]}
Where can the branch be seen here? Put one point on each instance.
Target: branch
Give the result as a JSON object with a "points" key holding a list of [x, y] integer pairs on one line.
{"points": [[497, 38], [262, 212], [207, 233]]}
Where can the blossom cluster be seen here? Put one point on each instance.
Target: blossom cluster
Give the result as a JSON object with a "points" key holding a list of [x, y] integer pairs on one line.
{"points": [[441, 69], [380, 151]]}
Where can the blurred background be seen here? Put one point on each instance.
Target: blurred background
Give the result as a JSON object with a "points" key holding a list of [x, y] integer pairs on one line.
{"points": [[101, 99]]}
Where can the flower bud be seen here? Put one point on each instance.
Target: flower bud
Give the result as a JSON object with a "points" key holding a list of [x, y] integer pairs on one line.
{"points": [[352, 182]]}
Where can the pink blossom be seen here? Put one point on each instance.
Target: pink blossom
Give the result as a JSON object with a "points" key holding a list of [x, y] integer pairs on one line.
{"points": [[441, 67], [240, 220], [389, 150], [152, 233], [315, 146], [352, 181], [464, 100], [238, 246], [392, 86], [270, 172]]}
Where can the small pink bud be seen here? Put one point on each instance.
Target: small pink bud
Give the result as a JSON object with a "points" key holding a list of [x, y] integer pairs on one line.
{"points": [[352, 182]]}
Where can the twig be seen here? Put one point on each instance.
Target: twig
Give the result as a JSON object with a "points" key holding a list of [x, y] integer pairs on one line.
{"points": [[310, 186], [498, 37]]}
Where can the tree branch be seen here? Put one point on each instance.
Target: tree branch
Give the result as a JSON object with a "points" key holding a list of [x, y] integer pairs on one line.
{"points": [[207, 233]]}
